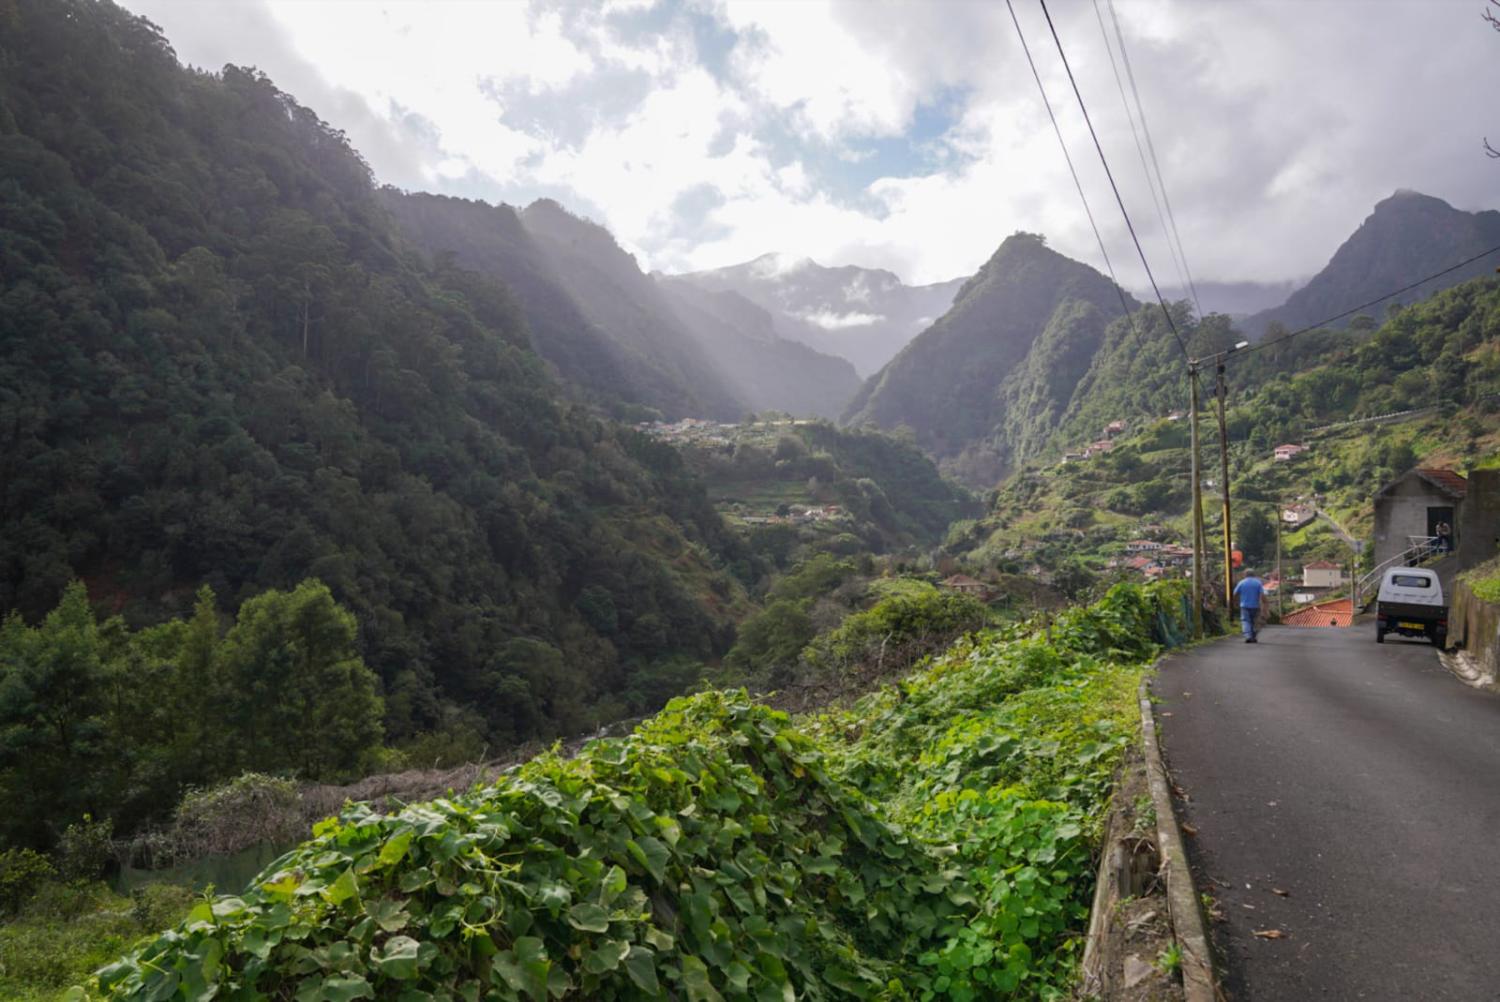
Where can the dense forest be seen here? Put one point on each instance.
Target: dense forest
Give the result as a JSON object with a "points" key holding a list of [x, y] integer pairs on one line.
{"points": [[224, 366]]}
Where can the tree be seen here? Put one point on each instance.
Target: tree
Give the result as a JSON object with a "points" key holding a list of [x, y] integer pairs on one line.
{"points": [[298, 696], [1494, 22], [1256, 534], [56, 763]]}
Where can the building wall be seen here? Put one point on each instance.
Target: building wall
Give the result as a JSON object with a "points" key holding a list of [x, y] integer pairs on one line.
{"points": [[1403, 512], [1478, 521], [1313, 577]]}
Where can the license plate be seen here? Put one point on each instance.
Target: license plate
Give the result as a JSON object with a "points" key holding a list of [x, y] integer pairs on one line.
{"points": [[1412, 626]]}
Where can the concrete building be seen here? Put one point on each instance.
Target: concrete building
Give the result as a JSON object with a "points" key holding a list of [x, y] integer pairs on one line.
{"points": [[1322, 574], [1284, 453], [1478, 522], [1412, 506]]}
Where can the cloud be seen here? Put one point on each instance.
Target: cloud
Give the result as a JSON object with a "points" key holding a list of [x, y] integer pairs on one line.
{"points": [[896, 135], [831, 321]]}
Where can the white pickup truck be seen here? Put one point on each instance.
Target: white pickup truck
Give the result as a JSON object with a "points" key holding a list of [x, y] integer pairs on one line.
{"points": [[1411, 603]]}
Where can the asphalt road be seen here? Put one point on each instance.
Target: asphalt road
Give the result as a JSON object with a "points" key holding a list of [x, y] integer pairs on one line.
{"points": [[1364, 781]]}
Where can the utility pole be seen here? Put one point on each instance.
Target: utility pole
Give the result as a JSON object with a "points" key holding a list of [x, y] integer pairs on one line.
{"points": [[1280, 578], [1197, 504], [1224, 486]]}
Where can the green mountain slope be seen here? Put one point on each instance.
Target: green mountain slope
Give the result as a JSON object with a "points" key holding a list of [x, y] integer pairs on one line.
{"points": [[958, 383], [1439, 359], [491, 240], [222, 364]]}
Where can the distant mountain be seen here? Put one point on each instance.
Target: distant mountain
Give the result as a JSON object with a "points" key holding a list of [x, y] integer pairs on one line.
{"points": [[491, 240], [626, 305], [864, 315], [1407, 236], [1233, 299], [766, 370], [983, 386]]}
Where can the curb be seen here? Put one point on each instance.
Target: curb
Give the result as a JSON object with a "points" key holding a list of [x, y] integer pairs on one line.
{"points": [[1182, 896]]}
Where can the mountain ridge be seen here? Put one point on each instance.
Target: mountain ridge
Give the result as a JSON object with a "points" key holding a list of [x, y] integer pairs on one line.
{"points": [[1406, 235], [954, 384]]}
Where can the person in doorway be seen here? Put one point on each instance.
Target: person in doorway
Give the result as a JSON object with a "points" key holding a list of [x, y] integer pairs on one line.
{"points": [[1444, 537], [1249, 592]]}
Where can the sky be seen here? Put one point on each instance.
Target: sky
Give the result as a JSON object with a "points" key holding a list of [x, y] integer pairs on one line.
{"points": [[907, 136]]}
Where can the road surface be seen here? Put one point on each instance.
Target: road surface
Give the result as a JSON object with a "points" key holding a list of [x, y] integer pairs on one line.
{"points": [[1364, 781]]}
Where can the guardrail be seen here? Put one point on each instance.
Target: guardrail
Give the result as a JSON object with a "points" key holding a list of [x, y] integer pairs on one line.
{"points": [[1418, 550]]}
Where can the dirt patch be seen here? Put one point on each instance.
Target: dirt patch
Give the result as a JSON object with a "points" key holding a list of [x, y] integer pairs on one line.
{"points": [[1132, 954]]}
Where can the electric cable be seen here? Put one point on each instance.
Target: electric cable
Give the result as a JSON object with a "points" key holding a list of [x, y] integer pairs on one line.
{"points": [[1109, 266], [1151, 183], [1355, 309], [1151, 148], [1099, 147]]}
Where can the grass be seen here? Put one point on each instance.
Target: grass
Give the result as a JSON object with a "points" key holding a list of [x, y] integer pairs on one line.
{"points": [[70, 930]]}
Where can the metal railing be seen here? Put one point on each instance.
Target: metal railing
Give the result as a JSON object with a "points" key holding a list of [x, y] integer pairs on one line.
{"points": [[1419, 549]]}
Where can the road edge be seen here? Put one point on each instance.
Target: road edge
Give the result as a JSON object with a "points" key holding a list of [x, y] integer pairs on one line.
{"points": [[1182, 896]]}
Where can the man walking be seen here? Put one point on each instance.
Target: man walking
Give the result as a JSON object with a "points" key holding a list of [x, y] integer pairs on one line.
{"points": [[1249, 591]]}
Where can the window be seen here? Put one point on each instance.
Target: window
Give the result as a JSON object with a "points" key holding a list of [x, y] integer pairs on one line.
{"points": [[1411, 581]]}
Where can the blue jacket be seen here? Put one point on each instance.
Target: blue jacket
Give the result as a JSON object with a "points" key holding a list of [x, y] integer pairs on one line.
{"points": [[1249, 592]]}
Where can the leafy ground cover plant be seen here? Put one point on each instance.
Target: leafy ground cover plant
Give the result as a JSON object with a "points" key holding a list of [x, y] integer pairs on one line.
{"points": [[932, 841]]}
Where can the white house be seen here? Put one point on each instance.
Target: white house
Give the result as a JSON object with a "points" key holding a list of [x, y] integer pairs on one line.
{"points": [[1322, 574], [1286, 452]]}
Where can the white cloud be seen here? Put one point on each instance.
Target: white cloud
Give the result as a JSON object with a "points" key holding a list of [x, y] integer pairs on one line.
{"points": [[831, 321], [1277, 125]]}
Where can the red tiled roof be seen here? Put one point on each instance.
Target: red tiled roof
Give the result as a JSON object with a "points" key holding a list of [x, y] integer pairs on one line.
{"points": [[1339, 612], [1323, 565], [1448, 480]]}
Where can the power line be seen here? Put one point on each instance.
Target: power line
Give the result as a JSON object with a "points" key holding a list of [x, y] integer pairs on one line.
{"points": [[1171, 325], [1124, 305], [1140, 149], [1151, 148], [1318, 325]]}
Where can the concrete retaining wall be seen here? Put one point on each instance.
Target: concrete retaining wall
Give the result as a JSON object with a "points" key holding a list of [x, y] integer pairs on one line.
{"points": [[1474, 625]]}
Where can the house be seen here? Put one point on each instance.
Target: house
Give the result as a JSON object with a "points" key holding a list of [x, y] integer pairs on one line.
{"points": [[1114, 428], [1338, 612], [1322, 574], [1073, 457], [1286, 452], [1295, 516], [966, 585], [1103, 445], [1143, 546], [1175, 555], [1413, 505], [1175, 416]]}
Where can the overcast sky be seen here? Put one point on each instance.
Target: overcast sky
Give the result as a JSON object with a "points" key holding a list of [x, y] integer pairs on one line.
{"points": [[901, 135]]}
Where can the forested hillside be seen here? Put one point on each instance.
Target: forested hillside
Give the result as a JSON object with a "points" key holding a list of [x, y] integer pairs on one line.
{"points": [[224, 365], [491, 240], [982, 386]]}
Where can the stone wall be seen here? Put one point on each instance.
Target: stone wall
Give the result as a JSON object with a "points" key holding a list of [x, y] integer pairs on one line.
{"points": [[1474, 625]]}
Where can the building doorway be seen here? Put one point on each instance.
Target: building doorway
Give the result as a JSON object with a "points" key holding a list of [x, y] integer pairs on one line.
{"points": [[1442, 516]]}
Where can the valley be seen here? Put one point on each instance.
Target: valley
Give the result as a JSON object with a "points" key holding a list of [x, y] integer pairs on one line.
{"points": [[595, 629]]}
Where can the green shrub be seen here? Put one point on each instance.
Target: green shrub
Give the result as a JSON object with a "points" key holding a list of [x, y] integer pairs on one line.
{"points": [[22, 872], [932, 841], [85, 850]]}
